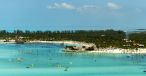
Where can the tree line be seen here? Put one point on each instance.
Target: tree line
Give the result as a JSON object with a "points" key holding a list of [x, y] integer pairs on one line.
{"points": [[102, 38]]}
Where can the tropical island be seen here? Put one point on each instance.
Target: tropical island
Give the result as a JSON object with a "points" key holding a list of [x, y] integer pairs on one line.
{"points": [[116, 41]]}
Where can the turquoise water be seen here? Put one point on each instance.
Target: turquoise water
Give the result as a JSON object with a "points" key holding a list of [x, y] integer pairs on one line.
{"points": [[50, 60]]}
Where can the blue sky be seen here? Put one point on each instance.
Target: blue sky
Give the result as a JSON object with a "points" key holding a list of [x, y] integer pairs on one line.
{"points": [[72, 14]]}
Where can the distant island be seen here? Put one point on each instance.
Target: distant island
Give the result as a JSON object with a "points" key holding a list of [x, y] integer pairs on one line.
{"points": [[93, 39], [141, 29]]}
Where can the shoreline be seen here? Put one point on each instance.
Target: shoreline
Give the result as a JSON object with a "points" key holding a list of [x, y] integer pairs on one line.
{"points": [[98, 50], [55, 42], [120, 51], [51, 42]]}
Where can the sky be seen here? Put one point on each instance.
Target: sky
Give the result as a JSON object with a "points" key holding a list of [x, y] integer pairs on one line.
{"points": [[72, 14]]}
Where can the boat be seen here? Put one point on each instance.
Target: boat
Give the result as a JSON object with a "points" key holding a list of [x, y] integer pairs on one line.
{"points": [[19, 41]]}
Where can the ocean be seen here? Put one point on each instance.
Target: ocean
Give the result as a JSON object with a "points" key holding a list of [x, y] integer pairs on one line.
{"points": [[40, 59]]}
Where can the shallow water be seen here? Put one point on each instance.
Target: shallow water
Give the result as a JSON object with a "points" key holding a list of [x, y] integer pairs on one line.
{"points": [[50, 60]]}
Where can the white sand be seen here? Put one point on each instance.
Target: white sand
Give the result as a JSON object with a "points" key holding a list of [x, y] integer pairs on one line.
{"points": [[54, 42], [105, 50], [10, 42], [120, 51]]}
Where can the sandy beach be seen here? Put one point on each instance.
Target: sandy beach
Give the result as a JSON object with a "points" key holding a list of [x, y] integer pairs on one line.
{"points": [[120, 51], [99, 50], [52, 42]]}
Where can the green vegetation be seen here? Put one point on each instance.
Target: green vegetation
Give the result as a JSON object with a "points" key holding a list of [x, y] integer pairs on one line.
{"points": [[139, 39], [102, 38]]}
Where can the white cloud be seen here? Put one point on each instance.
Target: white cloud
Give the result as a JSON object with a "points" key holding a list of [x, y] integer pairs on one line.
{"points": [[87, 9], [61, 5], [68, 6], [84, 9], [65, 5], [113, 6]]}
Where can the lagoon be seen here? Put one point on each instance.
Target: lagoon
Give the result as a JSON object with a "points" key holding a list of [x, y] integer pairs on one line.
{"points": [[43, 59]]}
